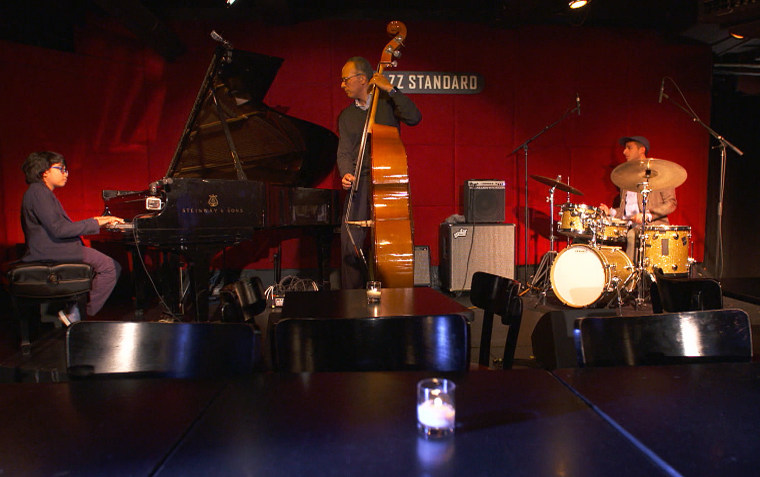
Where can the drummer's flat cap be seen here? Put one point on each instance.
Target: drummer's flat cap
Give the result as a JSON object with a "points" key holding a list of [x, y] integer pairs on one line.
{"points": [[639, 139]]}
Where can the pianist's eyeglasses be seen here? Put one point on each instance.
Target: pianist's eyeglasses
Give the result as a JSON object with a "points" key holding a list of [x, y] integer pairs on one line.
{"points": [[346, 78], [60, 168]]}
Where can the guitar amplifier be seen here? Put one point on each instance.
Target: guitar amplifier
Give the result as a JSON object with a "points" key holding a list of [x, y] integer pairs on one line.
{"points": [[484, 201], [468, 248]]}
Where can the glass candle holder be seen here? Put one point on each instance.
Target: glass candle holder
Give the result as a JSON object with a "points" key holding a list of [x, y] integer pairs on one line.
{"points": [[436, 408], [373, 291]]}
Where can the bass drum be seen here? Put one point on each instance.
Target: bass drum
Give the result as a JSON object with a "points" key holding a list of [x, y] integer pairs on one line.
{"points": [[582, 275]]}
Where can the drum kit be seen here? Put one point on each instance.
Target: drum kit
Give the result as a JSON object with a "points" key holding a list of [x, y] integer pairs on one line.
{"points": [[594, 270]]}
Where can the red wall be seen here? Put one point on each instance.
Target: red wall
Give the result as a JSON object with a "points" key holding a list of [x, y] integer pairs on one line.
{"points": [[116, 111]]}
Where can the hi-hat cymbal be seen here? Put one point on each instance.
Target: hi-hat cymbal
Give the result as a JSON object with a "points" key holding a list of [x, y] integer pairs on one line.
{"points": [[559, 185], [658, 173]]}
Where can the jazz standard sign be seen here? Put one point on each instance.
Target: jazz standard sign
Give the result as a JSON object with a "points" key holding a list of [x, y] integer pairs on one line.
{"points": [[435, 82]]}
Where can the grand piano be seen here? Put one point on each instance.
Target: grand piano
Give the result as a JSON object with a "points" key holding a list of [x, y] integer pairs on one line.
{"points": [[240, 168]]}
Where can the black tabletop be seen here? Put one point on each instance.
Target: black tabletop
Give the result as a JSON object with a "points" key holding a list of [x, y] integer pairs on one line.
{"points": [[519, 422], [699, 419], [418, 301], [121, 427]]}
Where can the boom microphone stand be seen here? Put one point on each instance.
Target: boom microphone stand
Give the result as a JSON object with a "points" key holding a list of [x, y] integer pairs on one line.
{"points": [[524, 147], [722, 146]]}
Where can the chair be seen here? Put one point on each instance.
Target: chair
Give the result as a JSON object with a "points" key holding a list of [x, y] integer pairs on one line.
{"points": [[172, 350], [31, 284], [671, 294], [671, 338], [390, 343], [497, 295]]}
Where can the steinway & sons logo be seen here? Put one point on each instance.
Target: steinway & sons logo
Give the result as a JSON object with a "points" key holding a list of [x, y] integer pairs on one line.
{"points": [[435, 82], [213, 203]]}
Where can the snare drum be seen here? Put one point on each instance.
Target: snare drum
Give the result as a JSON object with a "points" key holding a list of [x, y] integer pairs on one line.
{"points": [[667, 247], [577, 220], [612, 230], [582, 275]]}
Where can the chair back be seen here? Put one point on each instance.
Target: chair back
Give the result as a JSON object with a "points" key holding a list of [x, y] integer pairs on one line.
{"points": [[497, 295], [671, 338], [673, 294], [390, 343], [175, 350]]}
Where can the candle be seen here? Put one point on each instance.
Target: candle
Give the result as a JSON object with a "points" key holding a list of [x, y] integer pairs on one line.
{"points": [[436, 413], [436, 408], [373, 291]]}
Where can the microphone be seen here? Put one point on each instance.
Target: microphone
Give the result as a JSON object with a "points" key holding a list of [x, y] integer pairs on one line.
{"points": [[578, 103], [662, 90], [217, 37]]}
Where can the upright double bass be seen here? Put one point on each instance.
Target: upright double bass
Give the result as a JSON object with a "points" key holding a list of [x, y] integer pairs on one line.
{"points": [[390, 206]]}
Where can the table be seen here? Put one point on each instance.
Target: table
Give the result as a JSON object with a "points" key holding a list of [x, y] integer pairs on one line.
{"points": [[698, 419], [410, 329], [348, 304], [115, 427], [518, 422]]}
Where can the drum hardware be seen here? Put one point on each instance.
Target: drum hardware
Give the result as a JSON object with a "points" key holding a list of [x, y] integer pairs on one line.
{"points": [[541, 280]]}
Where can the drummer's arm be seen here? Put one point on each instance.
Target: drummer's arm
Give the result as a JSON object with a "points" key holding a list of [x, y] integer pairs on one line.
{"points": [[667, 204]]}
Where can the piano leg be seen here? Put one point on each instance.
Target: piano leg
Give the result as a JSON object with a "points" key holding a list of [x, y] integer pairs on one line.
{"points": [[323, 237], [200, 261]]}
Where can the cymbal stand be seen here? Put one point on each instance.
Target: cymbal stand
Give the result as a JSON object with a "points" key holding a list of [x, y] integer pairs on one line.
{"points": [[541, 280], [524, 147], [640, 270]]}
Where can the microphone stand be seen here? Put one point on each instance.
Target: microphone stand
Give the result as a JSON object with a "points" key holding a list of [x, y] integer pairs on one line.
{"points": [[722, 146], [524, 147]]}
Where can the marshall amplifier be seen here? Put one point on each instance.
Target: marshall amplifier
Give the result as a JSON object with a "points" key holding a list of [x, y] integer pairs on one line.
{"points": [[484, 201]]}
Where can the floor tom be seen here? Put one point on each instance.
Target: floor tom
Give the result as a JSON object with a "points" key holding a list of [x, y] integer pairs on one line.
{"points": [[667, 247]]}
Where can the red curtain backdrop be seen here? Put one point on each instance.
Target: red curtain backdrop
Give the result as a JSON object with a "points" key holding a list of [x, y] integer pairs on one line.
{"points": [[116, 111]]}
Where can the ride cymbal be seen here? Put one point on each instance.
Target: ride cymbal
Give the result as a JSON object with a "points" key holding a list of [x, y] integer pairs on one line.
{"points": [[658, 173]]}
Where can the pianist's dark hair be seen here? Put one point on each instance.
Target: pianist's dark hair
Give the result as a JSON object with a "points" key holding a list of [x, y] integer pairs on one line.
{"points": [[38, 162], [362, 65]]}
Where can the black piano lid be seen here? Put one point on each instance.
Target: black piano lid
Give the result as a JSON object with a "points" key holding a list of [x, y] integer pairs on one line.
{"points": [[271, 146], [249, 75]]}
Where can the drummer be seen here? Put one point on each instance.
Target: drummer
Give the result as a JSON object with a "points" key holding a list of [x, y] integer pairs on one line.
{"points": [[661, 202]]}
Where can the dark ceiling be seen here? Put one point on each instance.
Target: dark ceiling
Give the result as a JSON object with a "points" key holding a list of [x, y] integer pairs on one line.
{"points": [[52, 23]]}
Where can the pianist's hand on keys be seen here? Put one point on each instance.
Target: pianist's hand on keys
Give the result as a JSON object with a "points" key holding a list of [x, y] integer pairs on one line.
{"points": [[108, 220]]}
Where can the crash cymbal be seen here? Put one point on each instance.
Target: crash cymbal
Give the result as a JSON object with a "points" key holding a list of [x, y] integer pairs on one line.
{"points": [[658, 173], [559, 185]]}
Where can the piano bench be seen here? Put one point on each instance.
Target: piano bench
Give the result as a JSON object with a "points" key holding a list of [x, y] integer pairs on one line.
{"points": [[32, 284]]}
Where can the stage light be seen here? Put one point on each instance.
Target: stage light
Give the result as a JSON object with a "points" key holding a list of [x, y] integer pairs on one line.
{"points": [[578, 3], [230, 2], [736, 35]]}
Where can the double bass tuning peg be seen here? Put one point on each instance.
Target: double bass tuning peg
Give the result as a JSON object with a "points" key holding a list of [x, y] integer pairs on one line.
{"points": [[397, 53]]}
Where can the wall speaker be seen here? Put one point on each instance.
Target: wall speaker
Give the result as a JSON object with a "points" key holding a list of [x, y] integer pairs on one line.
{"points": [[484, 201], [468, 248], [421, 266]]}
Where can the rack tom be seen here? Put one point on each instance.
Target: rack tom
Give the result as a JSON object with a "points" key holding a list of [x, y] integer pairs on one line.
{"points": [[578, 220], [612, 230]]}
